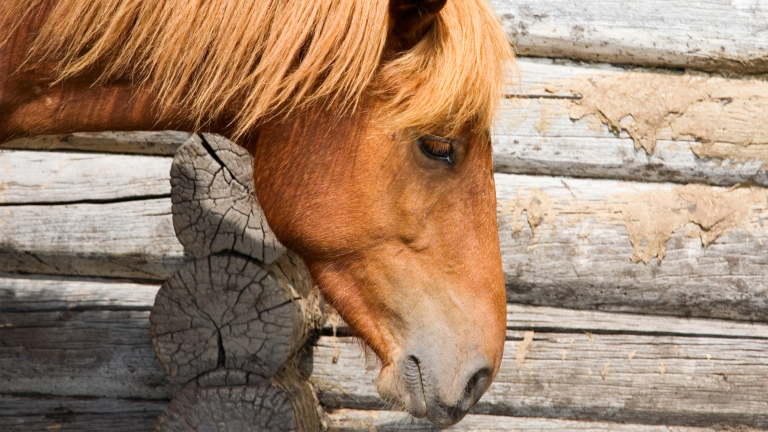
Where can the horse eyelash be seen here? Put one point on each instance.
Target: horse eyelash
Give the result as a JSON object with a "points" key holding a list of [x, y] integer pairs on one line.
{"points": [[443, 152]]}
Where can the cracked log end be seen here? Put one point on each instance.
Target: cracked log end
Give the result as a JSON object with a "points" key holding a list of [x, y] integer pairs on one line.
{"points": [[213, 202], [239, 401], [230, 311]]}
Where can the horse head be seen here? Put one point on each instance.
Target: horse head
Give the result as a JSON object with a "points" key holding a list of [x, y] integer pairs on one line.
{"points": [[398, 228]]}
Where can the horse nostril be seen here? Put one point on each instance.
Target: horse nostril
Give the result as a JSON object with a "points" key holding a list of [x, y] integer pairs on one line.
{"points": [[476, 385]]}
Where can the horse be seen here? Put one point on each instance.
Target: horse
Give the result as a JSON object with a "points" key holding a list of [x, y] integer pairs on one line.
{"points": [[369, 125]]}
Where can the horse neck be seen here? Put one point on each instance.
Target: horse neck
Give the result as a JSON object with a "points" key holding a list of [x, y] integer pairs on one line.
{"points": [[32, 102]]}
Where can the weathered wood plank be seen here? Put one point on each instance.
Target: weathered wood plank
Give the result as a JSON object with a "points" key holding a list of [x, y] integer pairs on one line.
{"points": [[162, 143], [582, 244], [345, 420], [101, 353], [84, 351], [82, 414], [549, 319], [579, 257], [702, 34], [28, 177], [673, 380], [132, 239], [20, 293], [711, 131]]}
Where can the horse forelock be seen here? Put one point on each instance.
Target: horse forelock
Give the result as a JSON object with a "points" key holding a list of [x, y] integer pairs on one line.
{"points": [[253, 60]]}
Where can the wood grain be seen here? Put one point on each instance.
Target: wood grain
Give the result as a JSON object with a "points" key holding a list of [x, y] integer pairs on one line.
{"points": [[132, 239], [635, 378], [25, 413], [581, 243], [701, 34], [162, 143], [107, 354], [246, 407], [28, 177], [31, 293], [95, 353], [228, 311], [346, 420], [580, 256]]}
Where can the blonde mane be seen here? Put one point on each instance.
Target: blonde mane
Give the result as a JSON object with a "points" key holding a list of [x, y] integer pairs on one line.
{"points": [[258, 59]]}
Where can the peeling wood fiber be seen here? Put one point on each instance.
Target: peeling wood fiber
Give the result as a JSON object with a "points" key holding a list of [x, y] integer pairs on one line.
{"points": [[641, 125], [652, 105]]}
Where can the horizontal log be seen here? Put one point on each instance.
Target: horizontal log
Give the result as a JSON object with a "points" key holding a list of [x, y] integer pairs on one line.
{"points": [[701, 34], [635, 378], [27, 293], [99, 353], [162, 143], [133, 239], [634, 247], [24, 413], [53, 177], [574, 248], [549, 319], [682, 128], [346, 420], [97, 348]]}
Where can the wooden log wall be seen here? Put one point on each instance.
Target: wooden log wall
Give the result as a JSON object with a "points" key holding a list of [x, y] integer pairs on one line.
{"points": [[632, 213]]}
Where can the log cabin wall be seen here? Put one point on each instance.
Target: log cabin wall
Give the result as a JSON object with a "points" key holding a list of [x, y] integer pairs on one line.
{"points": [[630, 173]]}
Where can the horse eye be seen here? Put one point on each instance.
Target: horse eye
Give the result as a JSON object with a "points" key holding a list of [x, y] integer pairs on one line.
{"points": [[437, 148]]}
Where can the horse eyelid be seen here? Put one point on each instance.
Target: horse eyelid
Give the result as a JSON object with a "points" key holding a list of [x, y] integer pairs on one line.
{"points": [[449, 158]]}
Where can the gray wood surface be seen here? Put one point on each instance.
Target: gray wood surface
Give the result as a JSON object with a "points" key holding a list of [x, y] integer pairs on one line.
{"points": [[26, 413], [705, 34], [30, 293], [242, 408], [227, 311], [713, 370], [346, 420], [584, 244], [543, 136], [28, 177], [635, 378], [125, 239], [139, 142], [95, 353], [549, 319], [214, 204]]}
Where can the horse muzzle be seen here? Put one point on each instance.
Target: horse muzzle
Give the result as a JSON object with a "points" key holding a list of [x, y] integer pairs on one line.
{"points": [[441, 385]]}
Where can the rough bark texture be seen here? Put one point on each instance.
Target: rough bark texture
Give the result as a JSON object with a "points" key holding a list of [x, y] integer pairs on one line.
{"points": [[214, 206], [727, 36]]}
